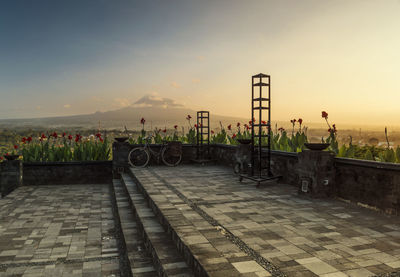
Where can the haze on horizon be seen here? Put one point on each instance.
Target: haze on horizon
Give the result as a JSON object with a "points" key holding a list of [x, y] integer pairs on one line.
{"points": [[77, 57]]}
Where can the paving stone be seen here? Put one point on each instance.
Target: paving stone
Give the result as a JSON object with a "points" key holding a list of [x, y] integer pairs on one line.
{"points": [[248, 266], [313, 236], [40, 224], [360, 272]]}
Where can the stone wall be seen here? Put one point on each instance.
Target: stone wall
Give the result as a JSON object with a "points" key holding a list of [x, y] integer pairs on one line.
{"points": [[376, 184], [282, 163], [316, 171], [10, 176], [62, 173]]}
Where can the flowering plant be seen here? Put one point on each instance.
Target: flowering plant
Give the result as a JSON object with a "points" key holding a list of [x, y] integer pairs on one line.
{"points": [[64, 148], [191, 135], [332, 140]]}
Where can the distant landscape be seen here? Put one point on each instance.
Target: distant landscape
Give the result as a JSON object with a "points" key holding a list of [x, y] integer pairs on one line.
{"points": [[159, 117]]}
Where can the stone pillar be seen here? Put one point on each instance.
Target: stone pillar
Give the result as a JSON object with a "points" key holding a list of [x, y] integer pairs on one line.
{"points": [[316, 173], [10, 176], [120, 157]]}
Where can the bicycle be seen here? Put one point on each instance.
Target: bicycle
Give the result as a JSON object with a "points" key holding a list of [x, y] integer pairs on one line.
{"points": [[170, 154]]}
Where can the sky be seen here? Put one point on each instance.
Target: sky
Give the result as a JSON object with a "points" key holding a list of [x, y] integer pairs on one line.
{"points": [[77, 57]]}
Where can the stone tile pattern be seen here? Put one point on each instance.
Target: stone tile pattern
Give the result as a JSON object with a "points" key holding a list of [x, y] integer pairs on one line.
{"points": [[300, 236], [65, 230], [209, 245]]}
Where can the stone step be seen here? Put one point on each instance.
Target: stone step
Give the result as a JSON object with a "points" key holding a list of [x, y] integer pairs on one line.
{"points": [[181, 230], [166, 258], [139, 261], [208, 248]]}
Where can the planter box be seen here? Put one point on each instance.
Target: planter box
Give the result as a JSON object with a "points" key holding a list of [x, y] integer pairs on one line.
{"points": [[10, 176], [63, 173], [376, 184]]}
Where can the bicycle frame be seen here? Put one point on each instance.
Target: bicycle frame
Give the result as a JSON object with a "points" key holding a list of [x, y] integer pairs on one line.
{"points": [[168, 158], [154, 153]]}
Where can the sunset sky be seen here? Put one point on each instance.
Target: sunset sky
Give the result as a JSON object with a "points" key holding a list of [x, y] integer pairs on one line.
{"points": [[74, 57]]}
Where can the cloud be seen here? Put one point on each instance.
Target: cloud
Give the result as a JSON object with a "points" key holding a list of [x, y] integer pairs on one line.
{"points": [[67, 106], [175, 85], [153, 100], [200, 58], [122, 102], [97, 99], [195, 81]]}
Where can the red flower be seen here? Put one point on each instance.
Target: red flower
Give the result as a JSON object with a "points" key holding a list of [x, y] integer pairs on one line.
{"points": [[250, 122], [281, 129], [263, 122], [229, 127], [238, 124], [69, 137], [195, 126], [98, 135], [142, 120], [64, 134], [165, 130], [176, 127], [101, 139], [324, 114], [54, 135], [43, 136], [300, 121], [15, 146], [1, 158], [234, 136], [29, 139], [293, 121], [212, 132], [329, 130], [188, 117], [77, 137], [23, 140]]}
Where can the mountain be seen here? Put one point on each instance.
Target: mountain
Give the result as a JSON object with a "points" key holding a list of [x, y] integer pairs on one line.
{"points": [[129, 116]]}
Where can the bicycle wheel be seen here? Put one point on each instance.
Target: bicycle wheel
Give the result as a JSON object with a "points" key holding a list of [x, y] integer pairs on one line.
{"points": [[138, 157], [170, 160]]}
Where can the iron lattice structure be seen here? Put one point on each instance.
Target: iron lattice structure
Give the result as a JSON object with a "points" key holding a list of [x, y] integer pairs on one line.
{"points": [[261, 120], [203, 135]]}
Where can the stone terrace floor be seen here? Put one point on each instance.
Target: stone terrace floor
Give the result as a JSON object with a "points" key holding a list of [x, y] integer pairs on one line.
{"points": [[298, 235], [58, 231]]}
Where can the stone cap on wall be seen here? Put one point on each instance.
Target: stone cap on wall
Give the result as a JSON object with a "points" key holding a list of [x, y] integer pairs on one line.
{"points": [[367, 163]]}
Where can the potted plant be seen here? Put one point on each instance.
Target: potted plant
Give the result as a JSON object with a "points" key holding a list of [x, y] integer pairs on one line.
{"points": [[331, 141], [14, 154], [245, 136]]}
